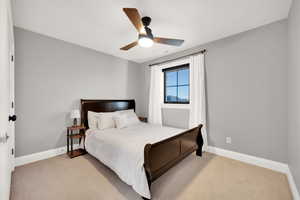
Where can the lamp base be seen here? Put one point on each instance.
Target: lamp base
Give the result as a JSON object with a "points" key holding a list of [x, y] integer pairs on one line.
{"points": [[75, 122]]}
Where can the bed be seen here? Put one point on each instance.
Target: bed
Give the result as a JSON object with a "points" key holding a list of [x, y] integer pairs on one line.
{"points": [[139, 154]]}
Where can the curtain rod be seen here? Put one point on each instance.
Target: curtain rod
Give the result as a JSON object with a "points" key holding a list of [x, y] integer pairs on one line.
{"points": [[195, 53]]}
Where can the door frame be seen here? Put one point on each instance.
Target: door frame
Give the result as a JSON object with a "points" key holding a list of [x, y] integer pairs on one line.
{"points": [[12, 87], [7, 130]]}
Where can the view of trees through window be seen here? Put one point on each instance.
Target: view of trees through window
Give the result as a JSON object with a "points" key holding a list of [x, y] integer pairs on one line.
{"points": [[177, 84]]}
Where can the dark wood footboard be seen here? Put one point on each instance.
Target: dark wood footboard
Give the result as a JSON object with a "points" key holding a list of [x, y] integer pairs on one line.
{"points": [[163, 155]]}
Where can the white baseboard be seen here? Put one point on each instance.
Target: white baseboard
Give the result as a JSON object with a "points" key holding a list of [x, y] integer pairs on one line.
{"points": [[261, 162], [293, 186], [23, 160]]}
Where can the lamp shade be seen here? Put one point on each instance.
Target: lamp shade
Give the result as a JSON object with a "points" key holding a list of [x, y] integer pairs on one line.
{"points": [[75, 114]]}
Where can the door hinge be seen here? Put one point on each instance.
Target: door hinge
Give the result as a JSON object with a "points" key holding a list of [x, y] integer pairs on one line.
{"points": [[12, 58], [12, 151]]}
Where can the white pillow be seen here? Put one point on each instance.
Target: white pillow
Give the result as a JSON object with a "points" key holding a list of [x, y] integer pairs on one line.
{"points": [[93, 119], [125, 111], [120, 121], [132, 119], [106, 120], [126, 119]]}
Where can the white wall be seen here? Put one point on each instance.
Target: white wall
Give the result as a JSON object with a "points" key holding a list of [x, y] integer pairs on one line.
{"points": [[246, 92], [294, 91], [246, 89], [51, 78]]}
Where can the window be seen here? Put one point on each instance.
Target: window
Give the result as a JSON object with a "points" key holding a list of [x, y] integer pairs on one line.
{"points": [[177, 84]]}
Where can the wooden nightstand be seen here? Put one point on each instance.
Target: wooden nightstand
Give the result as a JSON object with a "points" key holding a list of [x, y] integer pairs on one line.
{"points": [[79, 135], [143, 119]]}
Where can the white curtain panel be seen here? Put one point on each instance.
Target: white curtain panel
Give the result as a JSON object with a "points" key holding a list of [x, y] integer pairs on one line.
{"points": [[156, 95], [197, 95]]}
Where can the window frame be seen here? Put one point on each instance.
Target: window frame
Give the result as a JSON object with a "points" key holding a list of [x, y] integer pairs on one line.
{"points": [[176, 68]]}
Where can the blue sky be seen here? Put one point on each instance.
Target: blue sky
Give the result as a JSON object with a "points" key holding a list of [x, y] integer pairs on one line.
{"points": [[183, 79]]}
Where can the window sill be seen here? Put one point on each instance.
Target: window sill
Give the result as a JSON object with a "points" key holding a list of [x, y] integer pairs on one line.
{"points": [[175, 106]]}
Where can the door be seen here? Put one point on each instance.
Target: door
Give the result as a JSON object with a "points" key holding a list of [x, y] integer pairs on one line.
{"points": [[12, 117], [6, 127]]}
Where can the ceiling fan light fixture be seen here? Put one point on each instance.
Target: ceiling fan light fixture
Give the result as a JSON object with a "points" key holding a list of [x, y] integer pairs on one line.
{"points": [[145, 36], [145, 41]]}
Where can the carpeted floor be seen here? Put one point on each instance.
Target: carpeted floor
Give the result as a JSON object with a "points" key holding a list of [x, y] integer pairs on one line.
{"points": [[208, 178]]}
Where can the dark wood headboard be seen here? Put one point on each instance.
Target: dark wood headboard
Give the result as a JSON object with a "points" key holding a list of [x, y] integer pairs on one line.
{"points": [[103, 106]]}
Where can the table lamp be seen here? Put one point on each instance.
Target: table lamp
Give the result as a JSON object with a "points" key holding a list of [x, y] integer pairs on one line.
{"points": [[75, 114]]}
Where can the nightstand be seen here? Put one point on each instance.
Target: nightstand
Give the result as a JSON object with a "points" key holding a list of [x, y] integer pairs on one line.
{"points": [[75, 132], [143, 119]]}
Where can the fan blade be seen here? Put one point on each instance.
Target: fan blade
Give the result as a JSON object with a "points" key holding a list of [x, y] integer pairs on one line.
{"points": [[168, 41], [135, 18], [129, 46]]}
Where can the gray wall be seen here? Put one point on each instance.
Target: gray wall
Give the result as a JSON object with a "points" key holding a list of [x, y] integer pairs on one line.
{"points": [[52, 76], [294, 91], [175, 117], [246, 92]]}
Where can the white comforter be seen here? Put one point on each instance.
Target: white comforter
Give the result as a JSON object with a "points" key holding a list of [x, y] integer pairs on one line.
{"points": [[122, 150]]}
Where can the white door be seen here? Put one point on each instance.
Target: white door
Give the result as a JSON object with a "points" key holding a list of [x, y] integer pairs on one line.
{"points": [[13, 118], [6, 127]]}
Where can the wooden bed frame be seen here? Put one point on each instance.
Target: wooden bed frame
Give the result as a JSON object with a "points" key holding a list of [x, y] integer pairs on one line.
{"points": [[161, 156]]}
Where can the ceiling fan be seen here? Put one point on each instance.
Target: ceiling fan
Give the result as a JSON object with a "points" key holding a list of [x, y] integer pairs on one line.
{"points": [[145, 38]]}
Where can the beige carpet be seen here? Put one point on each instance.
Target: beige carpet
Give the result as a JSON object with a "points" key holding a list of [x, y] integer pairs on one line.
{"points": [[208, 178]]}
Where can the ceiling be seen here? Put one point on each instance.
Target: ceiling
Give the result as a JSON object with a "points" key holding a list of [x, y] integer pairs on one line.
{"points": [[101, 24]]}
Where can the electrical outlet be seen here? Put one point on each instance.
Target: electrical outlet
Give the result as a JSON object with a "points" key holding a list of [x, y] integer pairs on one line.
{"points": [[228, 140]]}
